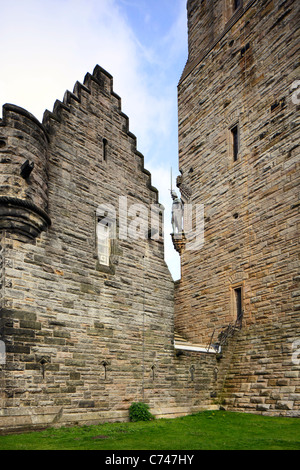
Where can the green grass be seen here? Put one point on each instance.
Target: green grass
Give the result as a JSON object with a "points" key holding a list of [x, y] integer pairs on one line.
{"points": [[209, 430]]}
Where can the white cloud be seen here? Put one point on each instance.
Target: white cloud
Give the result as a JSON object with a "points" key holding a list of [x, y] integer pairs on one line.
{"points": [[51, 44]]}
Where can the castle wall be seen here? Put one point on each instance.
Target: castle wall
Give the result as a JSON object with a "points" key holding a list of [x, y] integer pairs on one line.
{"points": [[250, 205], [208, 21], [85, 339], [259, 371]]}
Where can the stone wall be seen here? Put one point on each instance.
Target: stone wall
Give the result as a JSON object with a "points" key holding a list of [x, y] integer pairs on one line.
{"points": [[84, 340], [251, 208], [259, 371], [250, 205]]}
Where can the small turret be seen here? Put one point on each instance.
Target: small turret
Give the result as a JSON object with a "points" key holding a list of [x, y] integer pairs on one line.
{"points": [[23, 173]]}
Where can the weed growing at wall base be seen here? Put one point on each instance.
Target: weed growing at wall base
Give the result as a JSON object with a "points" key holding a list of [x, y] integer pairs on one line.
{"points": [[140, 412]]}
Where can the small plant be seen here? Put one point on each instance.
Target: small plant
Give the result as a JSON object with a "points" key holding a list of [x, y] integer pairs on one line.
{"points": [[140, 412]]}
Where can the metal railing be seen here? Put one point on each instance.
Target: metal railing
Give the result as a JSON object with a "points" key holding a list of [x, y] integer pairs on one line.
{"points": [[225, 333]]}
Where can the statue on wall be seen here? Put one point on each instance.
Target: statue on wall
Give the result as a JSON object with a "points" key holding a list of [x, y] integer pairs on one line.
{"points": [[177, 214]]}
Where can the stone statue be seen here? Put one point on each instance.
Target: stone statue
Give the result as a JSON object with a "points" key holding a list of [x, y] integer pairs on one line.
{"points": [[177, 214]]}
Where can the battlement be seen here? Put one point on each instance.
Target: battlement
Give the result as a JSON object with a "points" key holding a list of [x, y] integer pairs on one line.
{"points": [[9, 112]]}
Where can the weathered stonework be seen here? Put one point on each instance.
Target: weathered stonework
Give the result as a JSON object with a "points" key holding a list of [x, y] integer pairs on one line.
{"points": [[86, 336], [262, 376], [237, 85], [84, 340]]}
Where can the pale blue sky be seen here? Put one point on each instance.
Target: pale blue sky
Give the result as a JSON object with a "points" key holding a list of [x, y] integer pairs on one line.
{"points": [[47, 45]]}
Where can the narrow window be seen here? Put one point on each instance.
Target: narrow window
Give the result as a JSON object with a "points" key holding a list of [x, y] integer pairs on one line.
{"points": [[238, 304], [235, 142], [236, 4], [104, 150], [103, 241]]}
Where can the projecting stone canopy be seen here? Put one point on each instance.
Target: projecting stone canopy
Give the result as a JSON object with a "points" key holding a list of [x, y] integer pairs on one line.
{"points": [[22, 217]]}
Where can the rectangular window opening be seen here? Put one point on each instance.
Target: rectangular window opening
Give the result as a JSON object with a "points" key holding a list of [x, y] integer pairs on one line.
{"points": [[237, 4], [235, 142], [238, 304], [104, 150]]}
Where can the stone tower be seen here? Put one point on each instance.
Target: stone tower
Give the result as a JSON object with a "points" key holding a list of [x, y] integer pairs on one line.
{"points": [[24, 175], [239, 157]]}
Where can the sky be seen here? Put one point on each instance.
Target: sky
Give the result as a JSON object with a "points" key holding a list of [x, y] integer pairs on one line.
{"points": [[48, 45]]}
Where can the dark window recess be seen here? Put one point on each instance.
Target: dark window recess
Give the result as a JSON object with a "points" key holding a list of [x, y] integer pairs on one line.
{"points": [[104, 150], [153, 371], [237, 4], [235, 142], [278, 104], [26, 169], [274, 106], [105, 364], [239, 307], [245, 49]]}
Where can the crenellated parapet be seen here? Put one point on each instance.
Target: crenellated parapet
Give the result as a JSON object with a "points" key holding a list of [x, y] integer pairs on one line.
{"points": [[23, 173]]}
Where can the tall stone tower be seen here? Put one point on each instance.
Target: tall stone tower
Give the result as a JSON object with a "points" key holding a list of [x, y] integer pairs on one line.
{"points": [[238, 157]]}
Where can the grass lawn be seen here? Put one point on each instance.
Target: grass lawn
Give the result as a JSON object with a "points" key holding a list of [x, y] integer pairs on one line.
{"points": [[209, 430]]}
